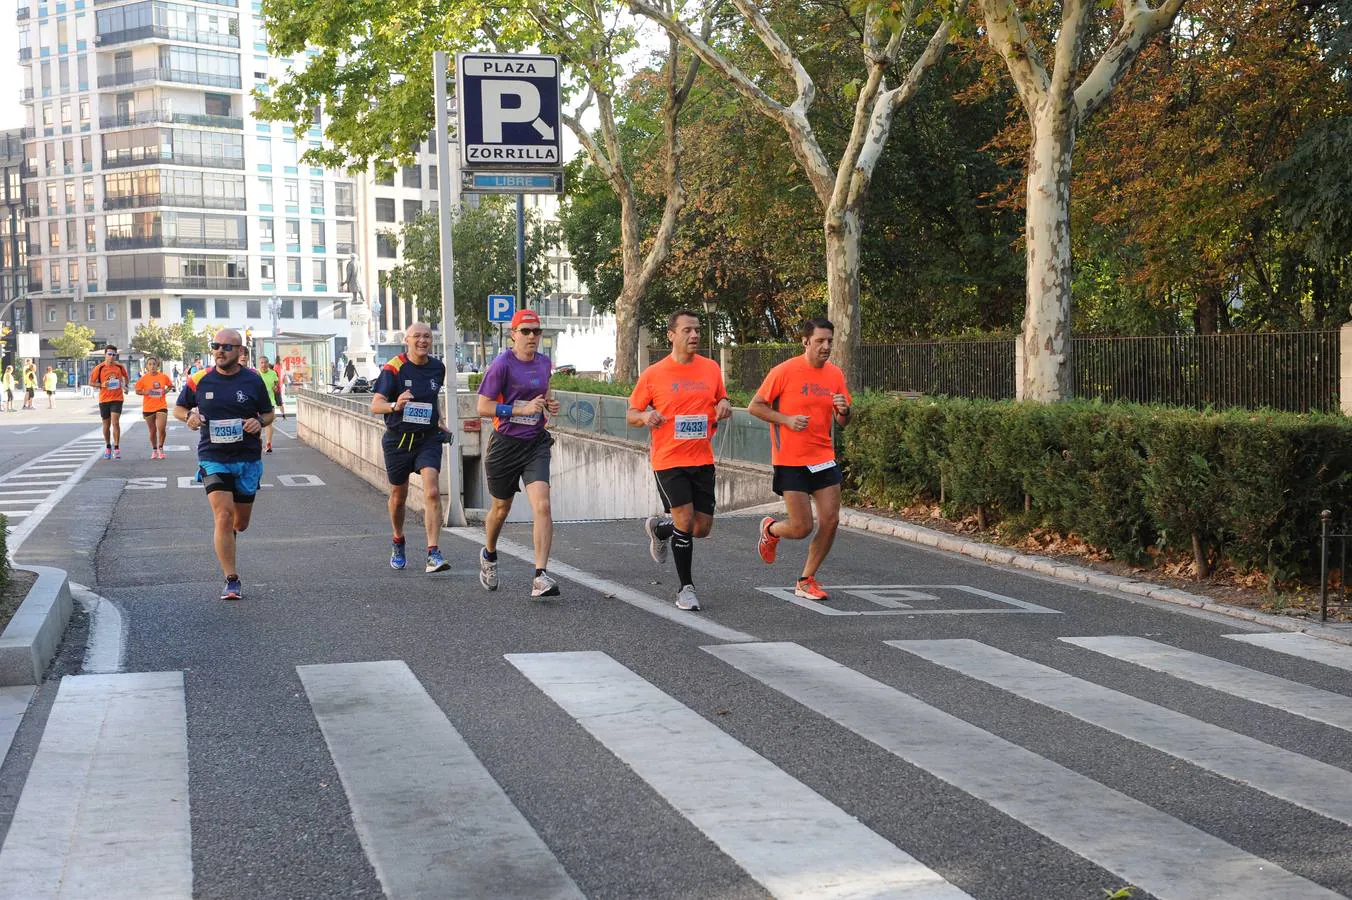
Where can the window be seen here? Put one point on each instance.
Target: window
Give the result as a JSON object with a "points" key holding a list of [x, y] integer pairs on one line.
{"points": [[343, 199], [386, 246], [292, 270], [135, 304], [412, 209], [154, 307], [197, 307], [54, 235], [92, 274], [384, 209], [293, 232], [316, 193], [382, 180], [70, 312], [56, 274], [309, 309], [91, 313], [89, 234], [264, 151], [268, 268], [51, 313], [432, 177], [110, 312], [265, 191], [432, 142], [320, 271], [253, 309], [288, 310], [340, 309], [265, 230], [317, 233], [222, 308], [413, 176], [292, 190], [73, 275]]}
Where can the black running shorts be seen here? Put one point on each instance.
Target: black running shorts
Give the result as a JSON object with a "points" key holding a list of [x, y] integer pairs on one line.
{"points": [[686, 485], [799, 478], [108, 407], [406, 453], [511, 462]]}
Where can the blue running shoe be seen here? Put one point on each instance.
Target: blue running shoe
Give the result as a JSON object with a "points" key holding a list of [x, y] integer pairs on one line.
{"points": [[435, 561], [398, 559], [233, 590]]}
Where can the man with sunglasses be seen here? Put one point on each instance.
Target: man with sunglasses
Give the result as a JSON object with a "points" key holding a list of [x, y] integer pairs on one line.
{"points": [[515, 392], [407, 394], [229, 406], [110, 377]]}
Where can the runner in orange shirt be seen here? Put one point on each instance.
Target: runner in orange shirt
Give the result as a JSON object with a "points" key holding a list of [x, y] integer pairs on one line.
{"points": [[153, 387], [681, 399], [110, 377], [800, 399]]}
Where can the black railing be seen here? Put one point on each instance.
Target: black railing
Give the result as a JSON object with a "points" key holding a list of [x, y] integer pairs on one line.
{"points": [[140, 201], [189, 282], [151, 117], [175, 159], [146, 242], [163, 73], [164, 32]]}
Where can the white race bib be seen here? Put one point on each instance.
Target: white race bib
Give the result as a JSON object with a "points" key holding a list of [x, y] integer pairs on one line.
{"points": [[532, 419], [112, 384], [226, 431], [418, 413], [157, 391], [821, 467], [692, 428]]}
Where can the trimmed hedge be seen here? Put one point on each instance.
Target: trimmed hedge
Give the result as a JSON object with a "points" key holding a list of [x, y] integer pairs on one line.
{"points": [[1239, 485], [4, 554]]}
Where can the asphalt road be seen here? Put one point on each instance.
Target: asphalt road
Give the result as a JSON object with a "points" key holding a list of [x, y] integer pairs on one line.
{"points": [[26, 434], [659, 754]]}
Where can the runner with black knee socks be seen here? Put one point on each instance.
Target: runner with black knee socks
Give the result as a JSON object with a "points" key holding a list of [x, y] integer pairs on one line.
{"points": [[681, 399]]}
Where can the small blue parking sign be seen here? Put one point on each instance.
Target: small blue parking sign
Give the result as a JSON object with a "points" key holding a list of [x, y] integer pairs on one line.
{"points": [[501, 307]]}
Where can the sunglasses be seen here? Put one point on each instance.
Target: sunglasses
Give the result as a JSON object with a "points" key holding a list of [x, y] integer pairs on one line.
{"points": [[528, 331], [226, 347]]}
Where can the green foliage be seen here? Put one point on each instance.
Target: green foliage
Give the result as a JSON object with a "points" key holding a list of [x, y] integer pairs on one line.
{"points": [[76, 342], [193, 340], [153, 339], [4, 553], [1241, 486]]}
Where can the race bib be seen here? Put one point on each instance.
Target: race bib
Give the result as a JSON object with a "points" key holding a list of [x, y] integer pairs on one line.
{"points": [[532, 419], [112, 384], [226, 431], [692, 428], [157, 391], [821, 467], [418, 413]]}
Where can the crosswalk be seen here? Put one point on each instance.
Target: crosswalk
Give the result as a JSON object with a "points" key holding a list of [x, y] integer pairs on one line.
{"points": [[111, 781], [31, 490]]}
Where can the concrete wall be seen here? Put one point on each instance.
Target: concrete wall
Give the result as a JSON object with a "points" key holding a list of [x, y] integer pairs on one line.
{"points": [[592, 477]]}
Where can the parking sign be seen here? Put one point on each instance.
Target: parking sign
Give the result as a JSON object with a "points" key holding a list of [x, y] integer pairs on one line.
{"points": [[501, 307], [510, 111]]}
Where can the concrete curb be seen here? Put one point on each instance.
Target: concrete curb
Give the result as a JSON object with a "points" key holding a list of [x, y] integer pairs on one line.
{"points": [[31, 638], [940, 540]]}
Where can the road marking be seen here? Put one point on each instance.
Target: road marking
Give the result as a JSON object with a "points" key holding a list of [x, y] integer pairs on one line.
{"points": [[1308, 783], [1301, 645], [665, 609], [785, 835], [430, 817], [892, 598], [104, 811], [18, 534], [5, 493], [1228, 678], [33, 501], [27, 430], [105, 648], [1142, 845]]}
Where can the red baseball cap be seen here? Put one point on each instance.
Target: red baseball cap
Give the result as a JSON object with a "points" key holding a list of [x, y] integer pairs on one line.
{"points": [[525, 317]]}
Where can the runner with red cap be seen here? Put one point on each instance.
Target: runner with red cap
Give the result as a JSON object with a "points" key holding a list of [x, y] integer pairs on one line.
{"points": [[515, 392]]}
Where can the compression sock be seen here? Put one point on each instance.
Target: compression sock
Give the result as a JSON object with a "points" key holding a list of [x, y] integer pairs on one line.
{"points": [[490, 555], [683, 553], [539, 572]]}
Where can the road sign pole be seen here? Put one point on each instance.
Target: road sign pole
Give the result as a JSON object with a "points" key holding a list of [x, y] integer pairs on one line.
{"points": [[521, 250], [455, 503]]}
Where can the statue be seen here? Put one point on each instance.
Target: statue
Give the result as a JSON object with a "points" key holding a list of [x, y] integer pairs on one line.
{"points": [[352, 280]]}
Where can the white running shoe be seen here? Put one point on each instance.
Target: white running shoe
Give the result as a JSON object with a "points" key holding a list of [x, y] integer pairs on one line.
{"points": [[686, 599], [657, 547], [488, 572], [544, 586]]}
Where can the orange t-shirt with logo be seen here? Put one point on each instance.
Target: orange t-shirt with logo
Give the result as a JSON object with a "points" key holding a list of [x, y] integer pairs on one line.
{"points": [[795, 388], [112, 381], [685, 394], [153, 390]]}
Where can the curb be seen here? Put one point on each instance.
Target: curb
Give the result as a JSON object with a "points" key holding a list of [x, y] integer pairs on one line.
{"points": [[941, 540], [30, 640]]}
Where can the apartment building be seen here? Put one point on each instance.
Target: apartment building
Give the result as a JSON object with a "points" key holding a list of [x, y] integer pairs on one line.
{"points": [[14, 307]]}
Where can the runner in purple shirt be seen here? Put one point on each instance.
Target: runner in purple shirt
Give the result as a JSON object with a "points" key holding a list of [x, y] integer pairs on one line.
{"points": [[515, 392]]}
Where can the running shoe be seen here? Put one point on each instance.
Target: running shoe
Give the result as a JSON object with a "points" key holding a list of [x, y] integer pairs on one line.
{"points": [[162, 456], [108, 453], [269, 449], [233, 590], [154, 454], [544, 586], [768, 543], [436, 562], [686, 599], [809, 589], [488, 571], [657, 547], [117, 454], [398, 559]]}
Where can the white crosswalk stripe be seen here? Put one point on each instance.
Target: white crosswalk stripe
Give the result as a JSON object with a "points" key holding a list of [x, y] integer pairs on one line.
{"points": [[50, 477], [786, 836], [1226, 677], [1301, 645], [1298, 779]]}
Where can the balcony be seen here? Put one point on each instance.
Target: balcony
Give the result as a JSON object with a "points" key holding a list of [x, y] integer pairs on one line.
{"points": [[162, 73], [180, 282], [176, 159], [25, 54], [142, 201], [152, 241], [165, 33], [155, 116], [25, 94], [23, 14]]}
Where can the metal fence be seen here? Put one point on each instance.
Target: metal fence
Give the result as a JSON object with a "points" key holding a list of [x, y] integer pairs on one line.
{"points": [[1294, 370]]}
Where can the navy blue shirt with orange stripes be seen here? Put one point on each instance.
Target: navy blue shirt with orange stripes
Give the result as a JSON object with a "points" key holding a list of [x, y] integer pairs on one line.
{"points": [[224, 402], [419, 416]]}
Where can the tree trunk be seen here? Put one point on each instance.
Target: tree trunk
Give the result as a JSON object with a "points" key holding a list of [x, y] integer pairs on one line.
{"points": [[1207, 316], [631, 294], [842, 282], [1046, 321]]}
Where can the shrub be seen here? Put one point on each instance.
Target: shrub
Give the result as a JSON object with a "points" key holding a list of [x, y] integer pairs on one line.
{"points": [[4, 554]]}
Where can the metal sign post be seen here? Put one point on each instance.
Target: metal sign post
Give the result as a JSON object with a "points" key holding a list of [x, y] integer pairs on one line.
{"points": [[455, 503]]}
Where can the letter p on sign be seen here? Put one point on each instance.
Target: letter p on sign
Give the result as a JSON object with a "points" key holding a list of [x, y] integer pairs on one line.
{"points": [[525, 110]]}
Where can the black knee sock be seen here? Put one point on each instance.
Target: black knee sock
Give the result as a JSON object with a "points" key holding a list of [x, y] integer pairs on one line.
{"points": [[664, 529], [683, 552]]}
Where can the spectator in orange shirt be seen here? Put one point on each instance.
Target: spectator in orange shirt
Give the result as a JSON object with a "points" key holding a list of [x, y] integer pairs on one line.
{"points": [[801, 398], [681, 399], [110, 377], [154, 386]]}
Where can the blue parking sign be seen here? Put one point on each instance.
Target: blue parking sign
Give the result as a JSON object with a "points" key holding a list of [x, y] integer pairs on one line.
{"points": [[501, 307]]}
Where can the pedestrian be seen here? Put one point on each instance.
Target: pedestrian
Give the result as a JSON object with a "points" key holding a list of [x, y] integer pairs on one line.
{"points": [[7, 384], [154, 387], [801, 398], [229, 406], [681, 399], [110, 377], [515, 392], [274, 385], [177, 375], [49, 385], [350, 372], [406, 394], [30, 384]]}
